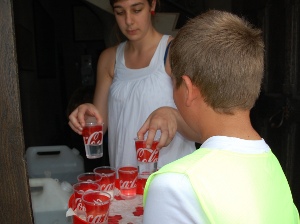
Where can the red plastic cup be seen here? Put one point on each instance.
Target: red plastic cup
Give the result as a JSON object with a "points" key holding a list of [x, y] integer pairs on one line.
{"points": [[92, 134], [141, 183], [147, 161], [146, 157], [108, 178], [89, 177], [97, 206], [144, 154], [79, 189], [128, 181]]}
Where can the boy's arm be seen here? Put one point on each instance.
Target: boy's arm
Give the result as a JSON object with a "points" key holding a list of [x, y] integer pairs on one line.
{"points": [[168, 120]]}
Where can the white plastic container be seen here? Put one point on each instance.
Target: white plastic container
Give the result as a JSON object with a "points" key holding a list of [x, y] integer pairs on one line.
{"points": [[58, 162], [50, 200]]}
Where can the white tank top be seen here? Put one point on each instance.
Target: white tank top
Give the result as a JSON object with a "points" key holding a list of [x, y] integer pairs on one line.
{"points": [[133, 95]]}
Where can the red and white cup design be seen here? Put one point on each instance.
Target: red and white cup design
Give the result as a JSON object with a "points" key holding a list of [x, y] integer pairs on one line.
{"points": [[97, 206], [108, 178], [79, 189], [128, 181], [89, 177], [92, 134], [144, 154]]}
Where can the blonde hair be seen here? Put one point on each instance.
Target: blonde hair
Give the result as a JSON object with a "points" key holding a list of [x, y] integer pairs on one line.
{"points": [[224, 56]]}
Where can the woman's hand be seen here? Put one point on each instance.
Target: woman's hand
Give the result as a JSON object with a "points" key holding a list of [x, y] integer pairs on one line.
{"points": [[78, 116]]}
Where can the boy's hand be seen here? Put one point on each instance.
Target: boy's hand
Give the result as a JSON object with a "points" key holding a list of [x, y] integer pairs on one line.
{"points": [[163, 119]]}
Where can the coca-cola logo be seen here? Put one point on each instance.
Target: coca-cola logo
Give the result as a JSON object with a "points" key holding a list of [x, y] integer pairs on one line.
{"points": [[127, 184], [94, 139], [147, 155], [98, 218], [79, 205], [107, 187]]}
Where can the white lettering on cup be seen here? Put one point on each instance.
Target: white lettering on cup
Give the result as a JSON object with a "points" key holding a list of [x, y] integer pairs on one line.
{"points": [[128, 184], [97, 218], [93, 137], [79, 204], [107, 187], [153, 155]]}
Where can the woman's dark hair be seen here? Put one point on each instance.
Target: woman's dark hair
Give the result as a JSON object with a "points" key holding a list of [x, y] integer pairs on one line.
{"points": [[112, 2]]}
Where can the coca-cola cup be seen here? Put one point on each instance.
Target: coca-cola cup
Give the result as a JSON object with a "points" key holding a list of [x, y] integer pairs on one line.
{"points": [[90, 177], [128, 181], [79, 189], [97, 206], [146, 157], [108, 178], [92, 134]]}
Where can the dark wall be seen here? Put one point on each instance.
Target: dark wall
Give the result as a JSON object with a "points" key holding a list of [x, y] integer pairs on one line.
{"points": [[58, 44]]}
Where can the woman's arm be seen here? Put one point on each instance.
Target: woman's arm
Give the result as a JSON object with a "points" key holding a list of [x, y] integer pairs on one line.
{"points": [[105, 74]]}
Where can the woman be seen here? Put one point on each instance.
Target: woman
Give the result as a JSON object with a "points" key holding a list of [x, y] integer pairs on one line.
{"points": [[132, 81]]}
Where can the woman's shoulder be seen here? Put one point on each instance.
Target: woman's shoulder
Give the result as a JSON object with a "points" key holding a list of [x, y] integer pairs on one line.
{"points": [[109, 52], [170, 38], [166, 56], [108, 56], [106, 61]]}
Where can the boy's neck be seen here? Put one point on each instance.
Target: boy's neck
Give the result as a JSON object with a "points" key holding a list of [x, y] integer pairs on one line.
{"points": [[237, 125]]}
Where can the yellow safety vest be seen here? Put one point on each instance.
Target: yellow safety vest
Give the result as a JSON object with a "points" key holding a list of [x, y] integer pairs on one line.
{"points": [[236, 188]]}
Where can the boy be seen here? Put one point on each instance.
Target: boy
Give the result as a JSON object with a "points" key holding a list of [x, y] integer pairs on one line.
{"points": [[234, 178]]}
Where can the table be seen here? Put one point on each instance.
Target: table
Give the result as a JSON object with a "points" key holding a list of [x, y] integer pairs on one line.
{"points": [[122, 211], [126, 211]]}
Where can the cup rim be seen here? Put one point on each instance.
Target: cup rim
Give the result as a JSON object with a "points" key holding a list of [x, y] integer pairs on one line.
{"points": [[113, 170], [85, 182], [92, 123], [89, 173], [95, 202], [142, 140], [128, 171]]}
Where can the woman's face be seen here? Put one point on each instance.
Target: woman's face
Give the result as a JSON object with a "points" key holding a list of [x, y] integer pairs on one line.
{"points": [[133, 17]]}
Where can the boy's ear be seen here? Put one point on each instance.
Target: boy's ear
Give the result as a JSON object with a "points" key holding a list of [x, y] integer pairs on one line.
{"points": [[191, 91]]}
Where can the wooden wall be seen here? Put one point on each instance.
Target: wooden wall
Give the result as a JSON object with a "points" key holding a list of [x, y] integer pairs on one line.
{"points": [[15, 202]]}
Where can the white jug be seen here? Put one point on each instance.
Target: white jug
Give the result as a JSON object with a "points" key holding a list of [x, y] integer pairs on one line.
{"points": [[49, 200], [58, 162]]}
